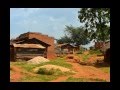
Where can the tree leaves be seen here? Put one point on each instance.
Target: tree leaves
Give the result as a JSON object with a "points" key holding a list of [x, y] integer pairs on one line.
{"points": [[75, 35], [96, 18]]}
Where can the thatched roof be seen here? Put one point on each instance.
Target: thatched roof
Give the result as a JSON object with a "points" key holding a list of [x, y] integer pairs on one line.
{"points": [[29, 46]]}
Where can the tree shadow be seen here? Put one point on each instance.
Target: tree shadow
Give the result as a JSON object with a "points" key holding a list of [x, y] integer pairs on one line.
{"points": [[102, 64]]}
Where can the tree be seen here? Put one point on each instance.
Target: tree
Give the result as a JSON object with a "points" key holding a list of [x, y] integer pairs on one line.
{"points": [[96, 22], [75, 36], [64, 39]]}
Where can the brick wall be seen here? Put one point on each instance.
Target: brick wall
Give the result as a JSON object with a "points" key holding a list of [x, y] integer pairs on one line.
{"points": [[48, 40]]}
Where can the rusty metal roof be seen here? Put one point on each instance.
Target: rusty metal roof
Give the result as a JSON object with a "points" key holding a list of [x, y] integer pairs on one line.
{"points": [[29, 46]]}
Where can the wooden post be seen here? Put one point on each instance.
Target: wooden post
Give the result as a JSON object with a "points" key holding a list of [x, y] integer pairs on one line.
{"points": [[14, 54]]}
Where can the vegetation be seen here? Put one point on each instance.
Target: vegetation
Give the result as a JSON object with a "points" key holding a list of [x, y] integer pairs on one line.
{"points": [[86, 57], [47, 72], [71, 79], [43, 74], [97, 22], [105, 69], [74, 35], [29, 67], [37, 78], [98, 52]]}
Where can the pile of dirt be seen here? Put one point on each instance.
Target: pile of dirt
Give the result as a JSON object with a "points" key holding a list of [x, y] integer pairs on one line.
{"points": [[49, 67], [37, 60], [92, 60], [72, 58]]}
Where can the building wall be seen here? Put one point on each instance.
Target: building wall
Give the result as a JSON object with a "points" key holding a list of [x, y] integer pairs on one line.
{"points": [[48, 40], [99, 45]]}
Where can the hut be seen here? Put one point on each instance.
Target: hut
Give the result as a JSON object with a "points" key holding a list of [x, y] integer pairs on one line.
{"points": [[66, 48], [31, 44], [28, 49]]}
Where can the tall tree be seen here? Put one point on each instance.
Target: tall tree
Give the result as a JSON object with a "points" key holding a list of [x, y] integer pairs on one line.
{"points": [[74, 35], [64, 39], [96, 22]]}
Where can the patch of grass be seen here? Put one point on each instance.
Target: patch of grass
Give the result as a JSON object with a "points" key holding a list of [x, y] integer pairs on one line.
{"points": [[29, 67], [86, 57], [60, 62], [98, 52], [105, 69], [38, 78], [44, 71], [24, 65], [71, 79], [43, 76]]}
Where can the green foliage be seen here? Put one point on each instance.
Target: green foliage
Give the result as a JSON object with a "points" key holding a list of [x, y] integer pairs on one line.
{"points": [[74, 35], [95, 51], [64, 39], [97, 22], [46, 72]]}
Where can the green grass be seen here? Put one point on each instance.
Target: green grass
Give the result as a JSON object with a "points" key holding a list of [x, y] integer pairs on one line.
{"points": [[71, 79], [105, 69], [29, 67], [60, 62], [86, 57], [38, 78], [44, 71], [41, 77], [95, 52]]}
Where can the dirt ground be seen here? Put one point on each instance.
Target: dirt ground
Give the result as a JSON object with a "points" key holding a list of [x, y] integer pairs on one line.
{"points": [[18, 73], [85, 72], [82, 72]]}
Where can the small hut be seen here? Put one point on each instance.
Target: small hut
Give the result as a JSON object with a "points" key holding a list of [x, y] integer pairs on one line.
{"points": [[27, 49], [66, 48]]}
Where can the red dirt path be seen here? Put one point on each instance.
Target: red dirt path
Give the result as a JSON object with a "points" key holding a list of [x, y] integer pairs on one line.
{"points": [[85, 72]]}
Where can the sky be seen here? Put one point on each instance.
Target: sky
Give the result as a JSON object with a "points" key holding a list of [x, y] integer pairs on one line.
{"points": [[50, 21]]}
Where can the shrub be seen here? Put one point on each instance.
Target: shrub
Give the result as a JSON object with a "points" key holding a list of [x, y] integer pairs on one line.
{"points": [[45, 71]]}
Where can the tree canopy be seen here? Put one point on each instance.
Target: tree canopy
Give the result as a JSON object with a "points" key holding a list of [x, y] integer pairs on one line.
{"points": [[96, 22], [74, 35]]}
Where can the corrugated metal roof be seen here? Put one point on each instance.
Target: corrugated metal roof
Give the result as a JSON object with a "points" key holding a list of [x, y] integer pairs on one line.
{"points": [[29, 46], [60, 45]]}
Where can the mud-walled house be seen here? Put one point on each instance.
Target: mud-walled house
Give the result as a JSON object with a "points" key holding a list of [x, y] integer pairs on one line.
{"points": [[66, 48], [31, 44]]}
